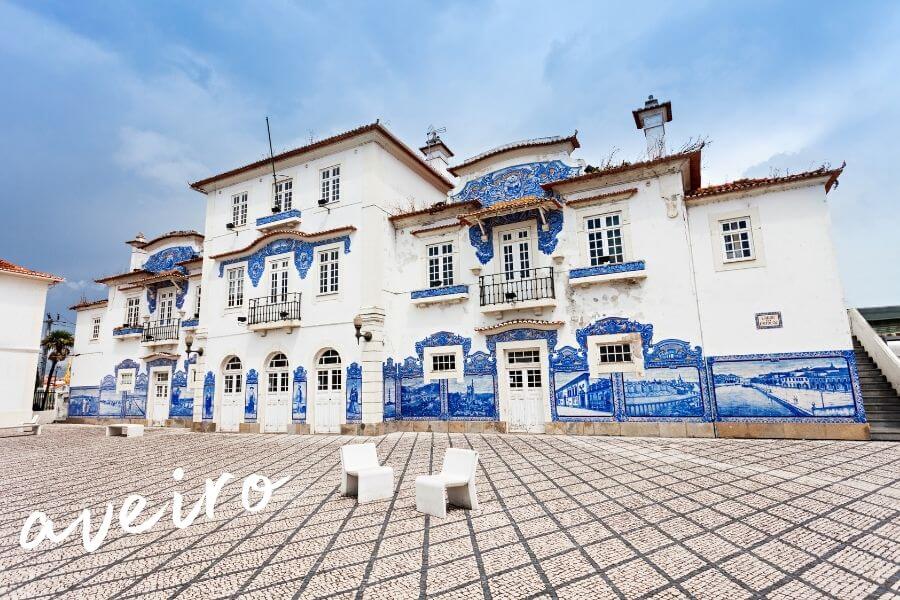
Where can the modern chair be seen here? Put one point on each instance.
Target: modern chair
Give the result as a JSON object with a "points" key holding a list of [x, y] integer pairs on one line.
{"points": [[454, 484], [362, 476]]}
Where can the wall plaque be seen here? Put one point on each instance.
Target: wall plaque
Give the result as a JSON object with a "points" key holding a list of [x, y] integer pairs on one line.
{"points": [[768, 320]]}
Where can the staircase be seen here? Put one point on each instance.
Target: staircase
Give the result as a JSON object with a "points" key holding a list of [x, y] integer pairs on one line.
{"points": [[880, 399]]}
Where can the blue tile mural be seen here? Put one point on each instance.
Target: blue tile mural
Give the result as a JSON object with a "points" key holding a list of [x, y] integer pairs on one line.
{"points": [[472, 396], [354, 393], [664, 392], [209, 395], [814, 385], [577, 395], [84, 401], [182, 405], [421, 399], [390, 375], [515, 182], [168, 259], [298, 399], [251, 396]]}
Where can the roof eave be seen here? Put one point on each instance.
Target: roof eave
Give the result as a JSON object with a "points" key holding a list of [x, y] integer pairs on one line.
{"points": [[460, 169]]}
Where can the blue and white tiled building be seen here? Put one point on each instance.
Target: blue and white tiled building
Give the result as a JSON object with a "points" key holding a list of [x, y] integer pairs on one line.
{"points": [[360, 285]]}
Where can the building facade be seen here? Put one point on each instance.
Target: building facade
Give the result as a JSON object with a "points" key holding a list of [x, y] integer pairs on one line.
{"points": [[23, 293], [356, 285]]}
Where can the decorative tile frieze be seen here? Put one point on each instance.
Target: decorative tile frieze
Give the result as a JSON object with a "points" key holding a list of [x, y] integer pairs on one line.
{"points": [[625, 267], [439, 291], [303, 255], [283, 215]]}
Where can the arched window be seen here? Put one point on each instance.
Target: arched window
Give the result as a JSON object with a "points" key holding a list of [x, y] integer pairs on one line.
{"points": [[234, 376], [329, 376], [277, 375]]}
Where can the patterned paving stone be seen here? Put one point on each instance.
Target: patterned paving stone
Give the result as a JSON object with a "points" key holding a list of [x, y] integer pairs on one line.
{"points": [[560, 517]]}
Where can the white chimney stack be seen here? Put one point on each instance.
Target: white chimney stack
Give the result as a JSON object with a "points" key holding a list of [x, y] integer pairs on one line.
{"points": [[436, 152], [652, 119]]}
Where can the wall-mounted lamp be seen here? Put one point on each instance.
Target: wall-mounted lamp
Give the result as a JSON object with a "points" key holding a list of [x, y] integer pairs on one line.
{"points": [[188, 342], [357, 324]]}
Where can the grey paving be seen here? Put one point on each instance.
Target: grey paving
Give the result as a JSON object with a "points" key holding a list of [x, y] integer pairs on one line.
{"points": [[566, 517]]}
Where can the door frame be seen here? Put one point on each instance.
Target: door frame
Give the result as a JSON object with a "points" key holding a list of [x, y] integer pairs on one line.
{"points": [[151, 393], [532, 244], [220, 395], [262, 400], [312, 396], [503, 383]]}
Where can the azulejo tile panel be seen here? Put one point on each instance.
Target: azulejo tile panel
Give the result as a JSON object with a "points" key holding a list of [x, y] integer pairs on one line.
{"points": [[515, 182], [547, 237], [168, 259], [283, 215], [439, 291], [302, 250], [625, 267]]}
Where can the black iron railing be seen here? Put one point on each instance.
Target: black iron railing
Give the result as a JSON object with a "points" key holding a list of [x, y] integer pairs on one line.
{"points": [[162, 330], [42, 400], [271, 309], [517, 286]]}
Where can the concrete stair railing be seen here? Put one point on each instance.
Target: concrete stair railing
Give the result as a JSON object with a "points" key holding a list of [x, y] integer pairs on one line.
{"points": [[884, 357]]}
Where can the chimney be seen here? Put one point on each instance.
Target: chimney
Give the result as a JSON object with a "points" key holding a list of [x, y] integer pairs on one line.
{"points": [[437, 154], [652, 119]]}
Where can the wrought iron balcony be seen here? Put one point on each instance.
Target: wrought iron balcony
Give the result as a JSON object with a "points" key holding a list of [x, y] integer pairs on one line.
{"points": [[274, 309], [164, 330], [516, 286]]}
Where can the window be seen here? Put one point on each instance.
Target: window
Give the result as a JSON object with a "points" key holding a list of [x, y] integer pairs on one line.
{"points": [[133, 311], [278, 374], [125, 380], [440, 264], [737, 241], [516, 357], [236, 287], [328, 271], [284, 195], [197, 304], [329, 376], [95, 328], [233, 376], [239, 209], [443, 362], [604, 236], [614, 353], [331, 184]]}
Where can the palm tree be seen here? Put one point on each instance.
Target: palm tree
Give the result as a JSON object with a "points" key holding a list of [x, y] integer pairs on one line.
{"points": [[58, 343]]}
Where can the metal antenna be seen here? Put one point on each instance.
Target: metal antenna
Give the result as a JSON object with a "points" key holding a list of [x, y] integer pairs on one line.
{"points": [[433, 135], [271, 153]]}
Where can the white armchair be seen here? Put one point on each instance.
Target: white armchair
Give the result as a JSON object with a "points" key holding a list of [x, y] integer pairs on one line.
{"points": [[454, 484], [362, 476]]}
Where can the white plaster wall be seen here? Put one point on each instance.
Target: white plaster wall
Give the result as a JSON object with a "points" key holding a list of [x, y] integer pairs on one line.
{"points": [[799, 279], [22, 302]]}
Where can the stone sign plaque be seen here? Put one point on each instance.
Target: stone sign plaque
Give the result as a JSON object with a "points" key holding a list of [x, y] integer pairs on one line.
{"points": [[768, 320]]}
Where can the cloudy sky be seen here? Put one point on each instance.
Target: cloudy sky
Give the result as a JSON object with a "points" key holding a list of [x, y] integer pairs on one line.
{"points": [[109, 108]]}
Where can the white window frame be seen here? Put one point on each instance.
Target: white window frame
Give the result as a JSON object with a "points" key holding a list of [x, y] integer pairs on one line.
{"points": [[594, 212], [283, 194], [236, 276], [239, 208], [96, 325], [600, 369], [717, 239], [428, 372], [330, 184], [602, 233], [439, 257], [534, 256], [333, 274], [122, 386], [738, 233], [132, 302], [197, 301]]}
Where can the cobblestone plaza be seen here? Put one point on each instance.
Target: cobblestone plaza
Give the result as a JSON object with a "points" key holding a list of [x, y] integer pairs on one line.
{"points": [[567, 517]]}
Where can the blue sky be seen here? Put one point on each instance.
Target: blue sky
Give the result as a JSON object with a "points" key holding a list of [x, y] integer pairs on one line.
{"points": [[110, 108]]}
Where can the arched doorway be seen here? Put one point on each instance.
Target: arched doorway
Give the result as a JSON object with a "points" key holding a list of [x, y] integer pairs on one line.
{"points": [[328, 413], [277, 413], [232, 395]]}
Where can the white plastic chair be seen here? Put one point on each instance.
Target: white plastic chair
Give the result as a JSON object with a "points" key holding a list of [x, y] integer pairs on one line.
{"points": [[362, 476], [454, 484]]}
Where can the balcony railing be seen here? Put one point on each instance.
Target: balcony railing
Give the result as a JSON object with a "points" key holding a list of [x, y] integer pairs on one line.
{"points": [[272, 309], [161, 331], [517, 286]]}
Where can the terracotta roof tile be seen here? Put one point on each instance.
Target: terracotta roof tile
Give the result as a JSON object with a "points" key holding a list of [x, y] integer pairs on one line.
{"points": [[748, 184], [88, 304], [692, 155], [108, 278], [518, 323], [435, 209], [526, 203], [620, 194], [162, 276], [9, 267], [532, 143]]}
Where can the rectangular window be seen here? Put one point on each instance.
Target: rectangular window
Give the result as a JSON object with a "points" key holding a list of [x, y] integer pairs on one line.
{"points": [[125, 381], [197, 304], [440, 264], [239, 209], [328, 271], [331, 184], [517, 357], [443, 362], [533, 378], [95, 329], [614, 353], [737, 243], [235, 287], [284, 195], [604, 237], [133, 311]]}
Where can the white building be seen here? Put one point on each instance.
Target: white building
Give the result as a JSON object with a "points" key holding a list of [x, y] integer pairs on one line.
{"points": [[23, 293], [368, 287]]}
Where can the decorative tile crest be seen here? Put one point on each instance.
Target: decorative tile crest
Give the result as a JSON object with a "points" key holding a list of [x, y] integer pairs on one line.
{"points": [[515, 182], [127, 364], [410, 367], [443, 338], [108, 382], [179, 379], [568, 359], [480, 363], [518, 335], [168, 259], [299, 375], [389, 369], [673, 353], [252, 376], [626, 267], [611, 325], [303, 256]]}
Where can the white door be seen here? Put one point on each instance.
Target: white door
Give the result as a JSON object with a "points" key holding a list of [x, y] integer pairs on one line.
{"points": [[278, 280], [329, 404], [515, 254], [525, 391], [277, 413], [166, 307], [232, 396], [159, 398]]}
